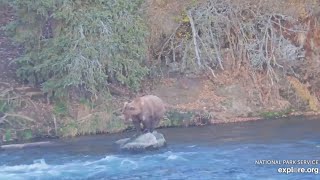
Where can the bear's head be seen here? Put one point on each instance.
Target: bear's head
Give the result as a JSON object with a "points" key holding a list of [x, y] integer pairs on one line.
{"points": [[131, 109]]}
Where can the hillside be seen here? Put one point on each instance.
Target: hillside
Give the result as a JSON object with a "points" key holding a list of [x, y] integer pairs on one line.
{"points": [[212, 61]]}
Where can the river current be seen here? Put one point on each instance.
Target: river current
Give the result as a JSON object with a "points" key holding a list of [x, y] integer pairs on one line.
{"points": [[287, 148]]}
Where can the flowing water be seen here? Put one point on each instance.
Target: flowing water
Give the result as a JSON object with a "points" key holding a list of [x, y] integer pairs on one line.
{"points": [[248, 150]]}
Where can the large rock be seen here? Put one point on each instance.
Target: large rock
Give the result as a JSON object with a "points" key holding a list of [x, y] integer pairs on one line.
{"points": [[147, 141]]}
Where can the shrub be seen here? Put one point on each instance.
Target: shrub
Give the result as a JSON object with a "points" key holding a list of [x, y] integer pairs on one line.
{"points": [[218, 35], [77, 43]]}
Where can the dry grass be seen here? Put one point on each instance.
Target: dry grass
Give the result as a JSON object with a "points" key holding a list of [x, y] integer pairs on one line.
{"points": [[163, 18], [304, 93], [206, 100]]}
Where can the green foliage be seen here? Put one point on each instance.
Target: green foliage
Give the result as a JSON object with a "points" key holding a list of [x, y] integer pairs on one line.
{"points": [[60, 108], [76, 43], [177, 118], [115, 124], [69, 130], [93, 125], [10, 105], [8, 135], [206, 117], [27, 134], [3, 106], [88, 103], [270, 114], [276, 114]]}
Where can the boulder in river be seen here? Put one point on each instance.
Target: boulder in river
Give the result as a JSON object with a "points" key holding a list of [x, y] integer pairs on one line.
{"points": [[147, 141]]}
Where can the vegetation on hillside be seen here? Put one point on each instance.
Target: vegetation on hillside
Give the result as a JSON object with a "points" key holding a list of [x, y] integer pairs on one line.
{"points": [[264, 42], [78, 48], [85, 45], [218, 35], [80, 44]]}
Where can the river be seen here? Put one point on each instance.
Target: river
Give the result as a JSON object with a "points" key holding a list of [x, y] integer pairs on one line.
{"points": [[264, 149]]}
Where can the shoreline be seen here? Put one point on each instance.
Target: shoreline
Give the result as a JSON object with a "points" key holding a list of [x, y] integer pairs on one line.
{"points": [[50, 141]]}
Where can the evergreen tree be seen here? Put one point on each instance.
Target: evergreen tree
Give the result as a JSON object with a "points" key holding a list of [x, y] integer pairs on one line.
{"points": [[79, 43]]}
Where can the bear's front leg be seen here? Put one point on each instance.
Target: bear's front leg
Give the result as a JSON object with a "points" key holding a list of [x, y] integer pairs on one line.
{"points": [[137, 127], [146, 131], [147, 126]]}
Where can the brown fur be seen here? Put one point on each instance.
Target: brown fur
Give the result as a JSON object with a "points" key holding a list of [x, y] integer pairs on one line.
{"points": [[147, 110]]}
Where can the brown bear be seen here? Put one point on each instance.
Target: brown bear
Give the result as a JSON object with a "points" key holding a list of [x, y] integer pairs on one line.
{"points": [[147, 110]]}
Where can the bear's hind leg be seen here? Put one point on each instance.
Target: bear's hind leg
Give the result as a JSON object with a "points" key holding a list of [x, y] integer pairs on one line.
{"points": [[154, 124]]}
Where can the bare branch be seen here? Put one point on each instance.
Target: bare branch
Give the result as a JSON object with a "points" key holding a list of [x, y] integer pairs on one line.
{"points": [[194, 34], [20, 116]]}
